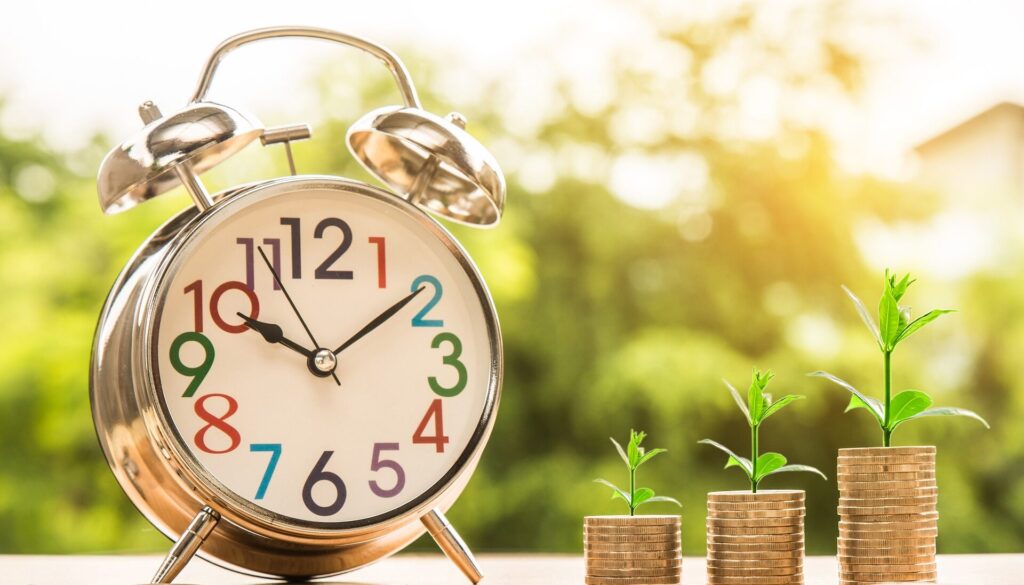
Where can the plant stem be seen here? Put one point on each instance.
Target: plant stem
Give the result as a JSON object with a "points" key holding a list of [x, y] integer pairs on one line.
{"points": [[753, 458], [632, 490], [886, 433]]}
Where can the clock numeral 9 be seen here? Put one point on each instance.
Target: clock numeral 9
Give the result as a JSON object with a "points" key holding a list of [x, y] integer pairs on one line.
{"points": [[452, 359], [196, 288], [198, 373], [319, 474], [438, 439], [217, 422], [377, 464], [419, 319]]}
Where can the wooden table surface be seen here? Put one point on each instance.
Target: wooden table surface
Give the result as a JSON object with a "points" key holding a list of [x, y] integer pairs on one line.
{"points": [[409, 569]]}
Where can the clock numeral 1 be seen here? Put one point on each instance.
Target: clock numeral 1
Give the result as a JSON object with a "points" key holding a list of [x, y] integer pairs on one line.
{"points": [[382, 266], [275, 454], [217, 422], [296, 246], [419, 319], [438, 439], [198, 373], [452, 359], [250, 267], [318, 475], [377, 463], [196, 289]]}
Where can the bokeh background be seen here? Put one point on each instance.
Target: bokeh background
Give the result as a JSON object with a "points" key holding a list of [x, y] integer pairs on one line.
{"points": [[689, 185]]}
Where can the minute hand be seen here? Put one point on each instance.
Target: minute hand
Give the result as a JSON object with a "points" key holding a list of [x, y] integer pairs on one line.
{"points": [[380, 319]]}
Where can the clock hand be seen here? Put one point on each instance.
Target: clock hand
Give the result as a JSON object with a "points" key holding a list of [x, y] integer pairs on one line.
{"points": [[295, 309], [273, 334], [380, 319]]}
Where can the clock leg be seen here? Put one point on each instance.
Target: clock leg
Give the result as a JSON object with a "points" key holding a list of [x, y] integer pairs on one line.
{"points": [[187, 545], [451, 544]]}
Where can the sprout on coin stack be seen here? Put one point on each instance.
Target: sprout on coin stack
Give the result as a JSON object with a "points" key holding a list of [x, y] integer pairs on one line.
{"points": [[633, 550], [757, 537], [888, 496]]}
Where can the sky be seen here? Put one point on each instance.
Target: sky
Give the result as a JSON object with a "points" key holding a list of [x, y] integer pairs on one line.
{"points": [[118, 53]]}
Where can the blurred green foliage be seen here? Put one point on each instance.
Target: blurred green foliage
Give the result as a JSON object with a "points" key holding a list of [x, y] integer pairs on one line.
{"points": [[613, 316]]}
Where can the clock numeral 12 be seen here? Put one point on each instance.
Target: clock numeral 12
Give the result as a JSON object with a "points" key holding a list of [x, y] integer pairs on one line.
{"points": [[196, 289], [438, 439]]}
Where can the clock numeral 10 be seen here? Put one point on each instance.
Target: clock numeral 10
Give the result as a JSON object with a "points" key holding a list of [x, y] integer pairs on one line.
{"points": [[319, 474], [438, 439], [217, 422], [196, 289]]}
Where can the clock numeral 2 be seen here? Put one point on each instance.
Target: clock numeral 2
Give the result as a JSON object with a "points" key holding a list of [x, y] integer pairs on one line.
{"points": [[275, 455], [419, 319], [217, 422], [438, 439], [318, 475], [196, 289]]}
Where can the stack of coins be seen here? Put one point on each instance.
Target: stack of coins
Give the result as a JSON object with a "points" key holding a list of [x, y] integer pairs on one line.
{"points": [[756, 538], [632, 550], [888, 518]]}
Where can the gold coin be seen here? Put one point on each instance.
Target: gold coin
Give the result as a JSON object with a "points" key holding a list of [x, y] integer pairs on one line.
{"points": [[743, 514], [885, 469], [754, 571], [655, 555], [882, 510], [889, 526], [755, 531], [629, 563], [889, 535], [876, 570], [725, 562], [856, 476], [885, 561], [757, 548], [659, 572], [886, 451], [761, 496], [763, 580], [890, 549], [886, 494], [892, 579], [637, 538], [879, 540], [745, 555], [744, 506], [887, 457], [921, 500], [755, 538], [667, 580], [780, 521], [651, 520], [596, 529], [631, 546], [889, 518], [902, 487]]}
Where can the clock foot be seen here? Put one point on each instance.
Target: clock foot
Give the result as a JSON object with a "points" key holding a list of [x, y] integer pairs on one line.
{"points": [[187, 545], [452, 545]]}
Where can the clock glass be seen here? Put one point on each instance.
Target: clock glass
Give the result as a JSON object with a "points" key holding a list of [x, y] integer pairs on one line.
{"points": [[324, 352]]}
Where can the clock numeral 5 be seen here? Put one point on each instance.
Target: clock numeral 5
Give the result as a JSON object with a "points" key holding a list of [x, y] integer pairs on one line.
{"points": [[378, 463], [319, 474], [196, 289], [217, 422], [438, 439], [198, 373]]}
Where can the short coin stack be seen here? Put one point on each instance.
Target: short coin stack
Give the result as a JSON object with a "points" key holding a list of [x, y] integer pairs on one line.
{"points": [[888, 518], [632, 550], [756, 539]]}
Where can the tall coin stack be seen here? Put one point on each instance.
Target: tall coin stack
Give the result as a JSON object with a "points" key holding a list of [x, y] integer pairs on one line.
{"points": [[632, 550], [756, 538], [888, 518]]}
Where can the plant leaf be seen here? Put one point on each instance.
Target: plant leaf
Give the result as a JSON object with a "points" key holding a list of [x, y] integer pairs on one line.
{"points": [[948, 411], [662, 499], [647, 455], [622, 452], [633, 449], [734, 459], [755, 394], [864, 316], [907, 404], [769, 462], [888, 320], [739, 401], [873, 405], [796, 467], [616, 491], [641, 495], [920, 322], [779, 404]]}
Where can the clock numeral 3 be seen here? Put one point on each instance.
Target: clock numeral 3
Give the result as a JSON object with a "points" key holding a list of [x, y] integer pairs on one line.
{"points": [[452, 359], [419, 319], [196, 289], [378, 463], [198, 373], [318, 475], [438, 439], [217, 422]]}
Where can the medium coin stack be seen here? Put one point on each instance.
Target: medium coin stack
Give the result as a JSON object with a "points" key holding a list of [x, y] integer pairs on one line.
{"points": [[632, 550], [888, 518], [756, 538]]}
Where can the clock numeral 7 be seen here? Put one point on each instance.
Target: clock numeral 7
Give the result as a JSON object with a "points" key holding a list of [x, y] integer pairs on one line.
{"points": [[275, 455], [438, 439], [196, 289]]}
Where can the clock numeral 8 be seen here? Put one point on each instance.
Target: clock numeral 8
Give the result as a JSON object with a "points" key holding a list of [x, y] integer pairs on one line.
{"points": [[217, 422], [318, 475], [198, 373], [452, 359]]}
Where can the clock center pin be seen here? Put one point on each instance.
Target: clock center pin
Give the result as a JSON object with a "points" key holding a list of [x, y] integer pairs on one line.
{"points": [[323, 361]]}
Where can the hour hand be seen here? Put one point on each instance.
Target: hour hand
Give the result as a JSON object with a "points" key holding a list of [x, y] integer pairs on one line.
{"points": [[273, 334]]}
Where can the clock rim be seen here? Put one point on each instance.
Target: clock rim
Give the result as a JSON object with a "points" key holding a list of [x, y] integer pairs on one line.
{"points": [[196, 477]]}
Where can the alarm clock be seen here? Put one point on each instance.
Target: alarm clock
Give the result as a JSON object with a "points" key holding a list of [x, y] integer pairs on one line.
{"points": [[296, 377]]}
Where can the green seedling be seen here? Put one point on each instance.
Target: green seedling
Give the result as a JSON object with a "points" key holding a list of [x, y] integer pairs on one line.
{"points": [[894, 325], [757, 408], [634, 456]]}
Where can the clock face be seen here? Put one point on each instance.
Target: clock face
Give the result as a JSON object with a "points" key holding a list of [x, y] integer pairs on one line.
{"points": [[325, 352]]}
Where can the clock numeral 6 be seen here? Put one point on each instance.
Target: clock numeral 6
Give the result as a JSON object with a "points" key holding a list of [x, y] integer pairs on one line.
{"points": [[452, 359], [275, 455], [217, 422], [196, 288], [319, 474], [378, 463], [419, 319], [438, 439], [198, 373]]}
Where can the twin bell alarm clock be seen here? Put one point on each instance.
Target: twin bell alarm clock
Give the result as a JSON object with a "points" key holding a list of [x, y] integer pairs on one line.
{"points": [[296, 377]]}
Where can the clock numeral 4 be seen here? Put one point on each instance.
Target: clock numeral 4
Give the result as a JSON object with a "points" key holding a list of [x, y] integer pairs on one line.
{"points": [[318, 475], [196, 289], [378, 463], [197, 373], [438, 439], [217, 422], [275, 455]]}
